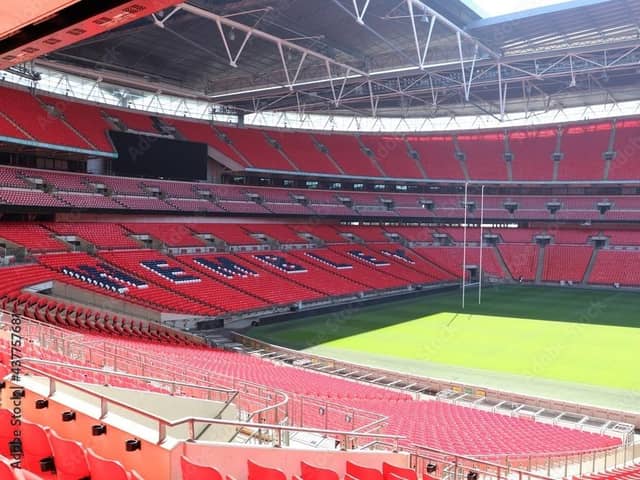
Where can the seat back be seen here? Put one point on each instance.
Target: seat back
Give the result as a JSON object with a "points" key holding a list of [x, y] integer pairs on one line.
{"points": [[258, 472], [69, 457], [363, 473], [194, 471], [389, 471], [310, 472], [105, 469], [6, 432], [35, 447], [6, 470]]}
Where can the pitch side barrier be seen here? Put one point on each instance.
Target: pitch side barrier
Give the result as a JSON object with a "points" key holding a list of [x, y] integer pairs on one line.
{"points": [[377, 299]]}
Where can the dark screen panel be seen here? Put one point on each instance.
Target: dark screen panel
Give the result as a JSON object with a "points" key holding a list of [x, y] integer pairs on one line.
{"points": [[155, 157]]}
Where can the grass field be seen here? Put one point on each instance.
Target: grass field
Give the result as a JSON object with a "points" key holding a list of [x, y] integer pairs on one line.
{"points": [[558, 342]]}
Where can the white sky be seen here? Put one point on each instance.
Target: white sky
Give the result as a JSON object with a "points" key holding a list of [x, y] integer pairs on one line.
{"points": [[492, 8]]}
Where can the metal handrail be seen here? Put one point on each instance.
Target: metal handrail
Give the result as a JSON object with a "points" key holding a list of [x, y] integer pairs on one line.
{"points": [[164, 423], [123, 355], [139, 361], [227, 391]]}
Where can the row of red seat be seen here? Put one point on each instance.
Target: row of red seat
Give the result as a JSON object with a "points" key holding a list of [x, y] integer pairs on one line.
{"points": [[46, 455], [195, 471], [440, 425], [60, 121], [67, 190], [631, 472]]}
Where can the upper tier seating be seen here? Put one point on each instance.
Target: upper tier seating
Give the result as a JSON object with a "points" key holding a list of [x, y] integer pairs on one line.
{"points": [[626, 163], [532, 151], [132, 120], [438, 156], [86, 119], [204, 133], [484, 156], [256, 149], [303, 151], [27, 112], [582, 147], [346, 152], [9, 129], [392, 155], [85, 126]]}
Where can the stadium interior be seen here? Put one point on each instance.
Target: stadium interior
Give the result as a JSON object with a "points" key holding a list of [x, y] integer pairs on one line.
{"points": [[178, 178]]}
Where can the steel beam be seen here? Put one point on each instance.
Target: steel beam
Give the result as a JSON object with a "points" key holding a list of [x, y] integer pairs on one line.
{"points": [[267, 37], [459, 31]]}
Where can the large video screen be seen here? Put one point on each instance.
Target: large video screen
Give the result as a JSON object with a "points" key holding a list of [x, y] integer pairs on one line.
{"points": [[156, 157]]}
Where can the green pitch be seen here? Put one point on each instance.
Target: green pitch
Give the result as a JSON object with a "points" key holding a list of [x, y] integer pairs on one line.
{"points": [[579, 345]]}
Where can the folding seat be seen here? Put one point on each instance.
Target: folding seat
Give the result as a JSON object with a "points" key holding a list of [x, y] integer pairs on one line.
{"points": [[36, 450], [362, 473], [390, 472], [105, 469], [258, 472], [310, 472], [194, 471], [69, 457]]}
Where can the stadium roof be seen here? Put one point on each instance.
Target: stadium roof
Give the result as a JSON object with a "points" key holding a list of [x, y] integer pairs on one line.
{"points": [[404, 58]]}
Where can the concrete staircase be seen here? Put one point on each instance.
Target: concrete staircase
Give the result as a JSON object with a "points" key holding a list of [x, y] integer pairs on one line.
{"points": [[503, 264], [540, 267], [592, 262], [328, 155]]}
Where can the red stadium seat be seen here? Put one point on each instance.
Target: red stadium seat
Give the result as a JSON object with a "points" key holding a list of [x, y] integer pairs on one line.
{"points": [[105, 469], [310, 472], [363, 473], [6, 432], [258, 472], [36, 449], [389, 471], [194, 471], [70, 458]]}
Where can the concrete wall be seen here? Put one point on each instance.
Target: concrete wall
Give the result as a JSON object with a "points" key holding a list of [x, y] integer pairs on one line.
{"points": [[104, 302]]}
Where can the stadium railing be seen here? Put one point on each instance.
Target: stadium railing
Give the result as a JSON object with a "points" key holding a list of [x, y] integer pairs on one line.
{"points": [[576, 463], [254, 400]]}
